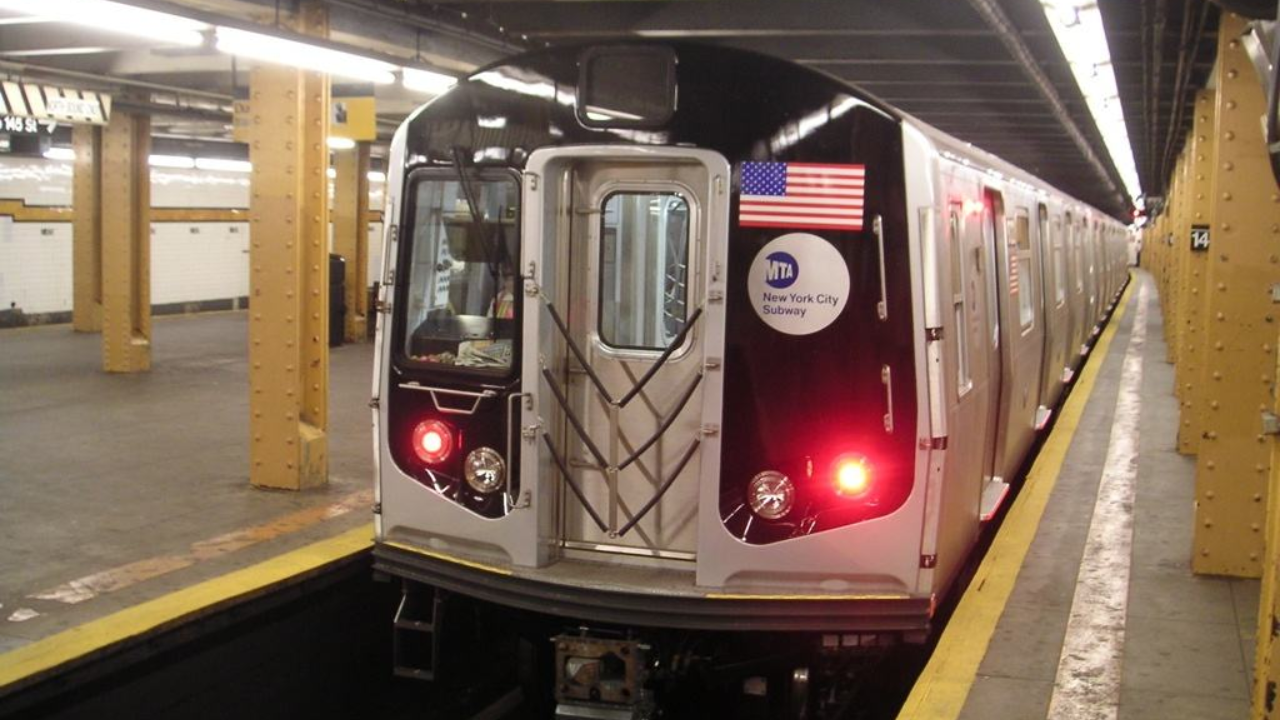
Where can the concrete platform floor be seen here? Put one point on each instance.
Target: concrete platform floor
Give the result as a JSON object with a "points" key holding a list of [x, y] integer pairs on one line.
{"points": [[1188, 640], [115, 489]]}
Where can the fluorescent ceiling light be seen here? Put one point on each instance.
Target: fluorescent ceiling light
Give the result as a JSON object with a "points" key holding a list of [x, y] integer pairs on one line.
{"points": [[426, 81], [331, 173], [376, 176], [115, 17], [1077, 24], [180, 162], [280, 51], [341, 143], [60, 153], [224, 165]]}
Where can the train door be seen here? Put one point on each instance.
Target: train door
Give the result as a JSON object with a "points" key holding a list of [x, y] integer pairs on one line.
{"points": [[1021, 337], [635, 245], [1075, 292], [988, 273], [1088, 233], [1057, 317]]}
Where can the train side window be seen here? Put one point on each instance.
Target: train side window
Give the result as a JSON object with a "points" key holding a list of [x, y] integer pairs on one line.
{"points": [[644, 251], [1022, 282], [960, 275]]}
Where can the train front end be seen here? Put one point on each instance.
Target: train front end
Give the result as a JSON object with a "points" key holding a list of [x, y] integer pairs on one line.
{"points": [[649, 355]]}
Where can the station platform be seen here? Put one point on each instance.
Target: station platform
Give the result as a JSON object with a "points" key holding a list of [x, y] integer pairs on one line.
{"points": [[1086, 606], [121, 490]]}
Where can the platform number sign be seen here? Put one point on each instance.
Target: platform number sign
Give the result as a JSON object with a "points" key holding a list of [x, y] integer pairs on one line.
{"points": [[1199, 238]]}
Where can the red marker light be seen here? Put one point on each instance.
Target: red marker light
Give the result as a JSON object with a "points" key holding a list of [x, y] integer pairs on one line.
{"points": [[853, 476], [432, 441]]}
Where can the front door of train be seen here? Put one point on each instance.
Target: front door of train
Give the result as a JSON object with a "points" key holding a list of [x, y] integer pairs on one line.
{"points": [[630, 383]]}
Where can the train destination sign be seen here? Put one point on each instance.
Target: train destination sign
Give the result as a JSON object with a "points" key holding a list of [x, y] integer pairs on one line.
{"points": [[799, 283]]}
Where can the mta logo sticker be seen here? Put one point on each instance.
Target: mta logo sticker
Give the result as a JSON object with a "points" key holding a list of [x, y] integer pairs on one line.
{"points": [[792, 303], [781, 270]]}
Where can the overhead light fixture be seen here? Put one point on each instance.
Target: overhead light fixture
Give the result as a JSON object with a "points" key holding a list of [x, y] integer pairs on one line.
{"points": [[177, 162], [224, 165], [426, 81], [1077, 25], [377, 176], [340, 143], [280, 51], [115, 17], [60, 153]]}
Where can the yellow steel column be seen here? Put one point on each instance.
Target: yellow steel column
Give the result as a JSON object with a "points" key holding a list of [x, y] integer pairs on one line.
{"points": [[351, 232], [1232, 466], [289, 269], [126, 244], [86, 230], [1173, 288], [1190, 370]]}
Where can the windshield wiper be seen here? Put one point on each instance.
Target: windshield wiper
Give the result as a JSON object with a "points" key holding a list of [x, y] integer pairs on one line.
{"points": [[477, 220]]}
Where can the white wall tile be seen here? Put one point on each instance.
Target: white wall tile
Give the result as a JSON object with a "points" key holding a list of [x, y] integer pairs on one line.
{"points": [[209, 264]]}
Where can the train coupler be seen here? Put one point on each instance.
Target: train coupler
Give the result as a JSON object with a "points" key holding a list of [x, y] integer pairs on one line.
{"points": [[602, 678]]}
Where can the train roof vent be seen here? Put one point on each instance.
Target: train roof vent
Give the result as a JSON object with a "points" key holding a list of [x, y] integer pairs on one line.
{"points": [[627, 86]]}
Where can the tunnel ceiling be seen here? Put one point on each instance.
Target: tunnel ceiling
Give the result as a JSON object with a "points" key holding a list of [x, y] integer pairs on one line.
{"points": [[956, 64]]}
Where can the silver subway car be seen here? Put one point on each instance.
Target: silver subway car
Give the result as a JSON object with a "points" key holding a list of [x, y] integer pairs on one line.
{"points": [[674, 363]]}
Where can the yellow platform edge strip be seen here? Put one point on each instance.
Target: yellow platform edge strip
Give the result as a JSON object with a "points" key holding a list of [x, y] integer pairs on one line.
{"points": [[943, 687], [94, 636]]}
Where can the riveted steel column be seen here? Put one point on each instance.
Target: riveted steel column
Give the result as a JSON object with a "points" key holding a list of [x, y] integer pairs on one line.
{"points": [[126, 244], [1234, 460], [288, 273], [351, 232], [1173, 288], [86, 230], [1191, 340]]}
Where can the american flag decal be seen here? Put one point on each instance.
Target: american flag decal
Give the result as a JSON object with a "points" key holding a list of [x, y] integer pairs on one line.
{"points": [[802, 195]]}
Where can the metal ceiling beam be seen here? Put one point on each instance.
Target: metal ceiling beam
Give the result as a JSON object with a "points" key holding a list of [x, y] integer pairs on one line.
{"points": [[994, 15]]}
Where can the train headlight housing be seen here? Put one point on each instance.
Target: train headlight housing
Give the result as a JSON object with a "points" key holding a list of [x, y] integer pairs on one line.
{"points": [[485, 470], [771, 494]]}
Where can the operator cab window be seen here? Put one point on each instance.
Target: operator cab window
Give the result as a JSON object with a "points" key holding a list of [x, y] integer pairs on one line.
{"points": [[461, 302]]}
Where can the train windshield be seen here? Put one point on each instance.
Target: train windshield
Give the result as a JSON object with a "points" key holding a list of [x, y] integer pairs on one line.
{"points": [[460, 309]]}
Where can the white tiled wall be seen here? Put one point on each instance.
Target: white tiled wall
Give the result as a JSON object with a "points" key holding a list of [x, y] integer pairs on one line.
{"points": [[35, 266], [198, 189], [189, 261], [199, 261]]}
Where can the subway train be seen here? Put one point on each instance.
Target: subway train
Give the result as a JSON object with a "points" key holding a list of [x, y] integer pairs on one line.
{"points": [[696, 359]]}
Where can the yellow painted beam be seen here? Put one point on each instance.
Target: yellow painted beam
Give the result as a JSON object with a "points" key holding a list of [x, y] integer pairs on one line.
{"points": [[30, 662], [351, 233], [289, 273], [1234, 459], [86, 230], [126, 243], [1192, 335], [942, 688]]}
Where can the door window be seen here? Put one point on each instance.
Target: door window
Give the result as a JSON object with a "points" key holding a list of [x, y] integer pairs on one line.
{"points": [[1023, 281], [644, 266]]}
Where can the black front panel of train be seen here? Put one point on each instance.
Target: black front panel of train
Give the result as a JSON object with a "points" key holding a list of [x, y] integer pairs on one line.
{"points": [[795, 404], [813, 406]]}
